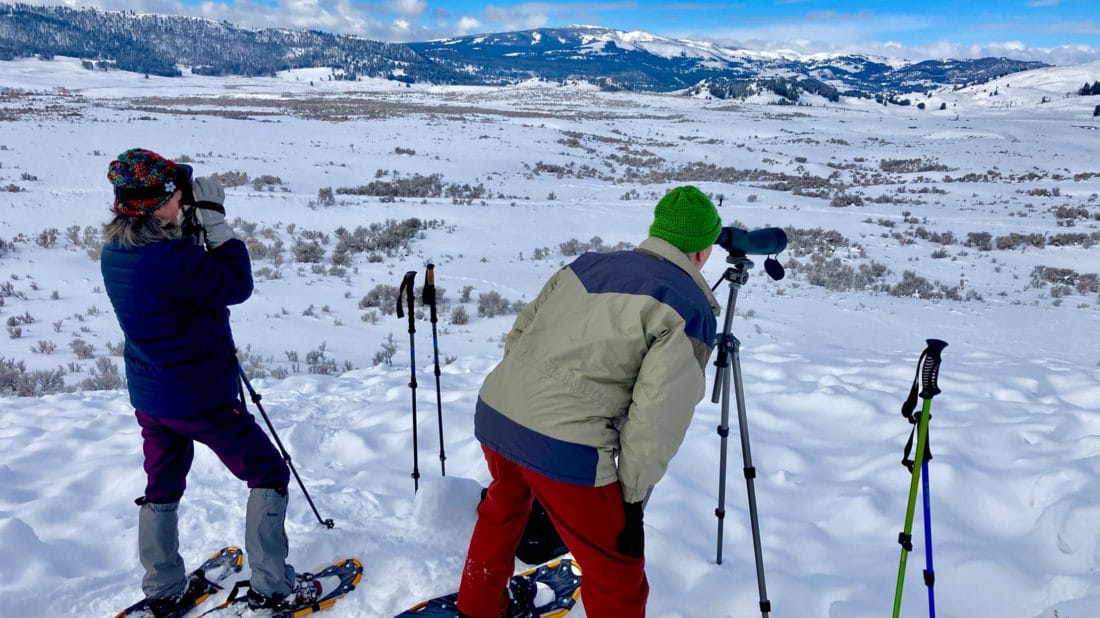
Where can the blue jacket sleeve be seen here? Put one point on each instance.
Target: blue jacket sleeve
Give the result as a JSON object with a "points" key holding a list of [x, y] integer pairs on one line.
{"points": [[216, 278]]}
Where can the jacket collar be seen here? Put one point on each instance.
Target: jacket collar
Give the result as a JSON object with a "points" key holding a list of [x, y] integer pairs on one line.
{"points": [[664, 249]]}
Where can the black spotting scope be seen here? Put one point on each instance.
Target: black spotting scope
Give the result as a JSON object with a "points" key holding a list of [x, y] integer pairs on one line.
{"points": [[765, 241]]}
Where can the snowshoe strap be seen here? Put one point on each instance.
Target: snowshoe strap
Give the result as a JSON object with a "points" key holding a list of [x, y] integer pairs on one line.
{"points": [[235, 591]]}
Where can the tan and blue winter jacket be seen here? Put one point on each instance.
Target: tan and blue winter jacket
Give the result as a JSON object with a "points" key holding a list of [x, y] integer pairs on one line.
{"points": [[602, 371]]}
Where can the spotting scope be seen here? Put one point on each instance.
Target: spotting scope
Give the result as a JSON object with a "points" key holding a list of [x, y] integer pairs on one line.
{"points": [[764, 241]]}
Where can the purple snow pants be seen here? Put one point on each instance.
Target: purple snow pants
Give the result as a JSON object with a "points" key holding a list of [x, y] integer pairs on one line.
{"points": [[230, 431]]}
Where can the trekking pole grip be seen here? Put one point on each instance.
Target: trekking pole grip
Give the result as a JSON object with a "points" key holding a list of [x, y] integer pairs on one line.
{"points": [[930, 370], [429, 291], [407, 289]]}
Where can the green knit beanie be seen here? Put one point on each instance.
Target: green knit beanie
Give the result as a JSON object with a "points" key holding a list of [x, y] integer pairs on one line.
{"points": [[687, 219]]}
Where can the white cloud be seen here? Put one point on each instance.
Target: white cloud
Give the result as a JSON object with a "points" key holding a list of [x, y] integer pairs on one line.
{"points": [[411, 8], [519, 17], [467, 25], [1017, 50], [864, 34]]}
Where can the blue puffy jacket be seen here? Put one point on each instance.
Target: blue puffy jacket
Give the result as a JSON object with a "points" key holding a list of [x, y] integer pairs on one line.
{"points": [[171, 300]]}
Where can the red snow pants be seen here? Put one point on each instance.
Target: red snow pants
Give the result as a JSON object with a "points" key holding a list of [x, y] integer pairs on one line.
{"points": [[588, 519]]}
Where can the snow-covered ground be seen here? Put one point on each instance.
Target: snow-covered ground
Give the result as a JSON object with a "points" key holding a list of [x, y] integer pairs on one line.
{"points": [[1015, 433]]}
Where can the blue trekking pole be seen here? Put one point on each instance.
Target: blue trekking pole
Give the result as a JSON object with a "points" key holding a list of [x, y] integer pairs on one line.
{"points": [[929, 571], [429, 299], [407, 289], [928, 371]]}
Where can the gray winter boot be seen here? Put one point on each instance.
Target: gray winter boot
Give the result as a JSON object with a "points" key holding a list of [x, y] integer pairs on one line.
{"points": [[158, 545], [266, 544]]}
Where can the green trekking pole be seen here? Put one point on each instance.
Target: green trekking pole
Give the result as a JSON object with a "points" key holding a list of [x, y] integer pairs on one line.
{"points": [[928, 371]]}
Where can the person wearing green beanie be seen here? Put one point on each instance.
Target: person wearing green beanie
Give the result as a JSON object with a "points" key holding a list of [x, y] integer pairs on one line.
{"points": [[687, 219], [599, 381]]}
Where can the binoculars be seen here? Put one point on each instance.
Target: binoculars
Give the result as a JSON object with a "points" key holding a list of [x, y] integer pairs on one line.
{"points": [[183, 182]]}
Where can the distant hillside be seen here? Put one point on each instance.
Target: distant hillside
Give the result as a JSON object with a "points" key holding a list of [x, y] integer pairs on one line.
{"points": [[161, 45], [158, 45], [642, 61], [1047, 85]]}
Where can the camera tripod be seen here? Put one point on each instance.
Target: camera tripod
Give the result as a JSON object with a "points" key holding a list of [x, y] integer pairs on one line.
{"points": [[729, 356]]}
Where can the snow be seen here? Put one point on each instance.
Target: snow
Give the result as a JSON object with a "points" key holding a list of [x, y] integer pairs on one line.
{"points": [[1029, 87], [1015, 432], [596, 38]]}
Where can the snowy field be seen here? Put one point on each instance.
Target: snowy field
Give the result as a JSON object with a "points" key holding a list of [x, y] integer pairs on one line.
{"points": [[977, 223]]}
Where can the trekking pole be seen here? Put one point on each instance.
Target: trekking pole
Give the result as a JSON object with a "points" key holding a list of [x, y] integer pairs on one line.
{"points": [[429, 299], [928, 371], [929, 571], [328, 523], [407, 289]]}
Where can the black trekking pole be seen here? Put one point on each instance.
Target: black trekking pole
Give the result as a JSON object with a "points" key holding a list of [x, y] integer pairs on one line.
{"points": [[429, 299], [407, 289], [328, 523], [729, 357], [928, 371]]}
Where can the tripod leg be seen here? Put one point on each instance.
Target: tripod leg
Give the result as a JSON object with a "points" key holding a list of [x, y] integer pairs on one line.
{"points": [[750, 476], [722, 393]]}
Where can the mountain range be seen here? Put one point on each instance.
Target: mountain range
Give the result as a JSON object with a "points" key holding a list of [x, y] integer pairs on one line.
{"points": [[613, 59]]}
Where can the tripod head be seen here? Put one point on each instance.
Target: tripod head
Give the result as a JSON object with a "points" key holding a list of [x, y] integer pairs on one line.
{"points": [[738, 271]]}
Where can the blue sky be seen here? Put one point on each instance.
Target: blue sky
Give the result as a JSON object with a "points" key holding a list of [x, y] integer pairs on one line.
{"points": [[1058, 31]]}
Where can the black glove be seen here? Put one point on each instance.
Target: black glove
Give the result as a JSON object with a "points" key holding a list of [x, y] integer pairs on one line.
{"points": [[631, 540]]}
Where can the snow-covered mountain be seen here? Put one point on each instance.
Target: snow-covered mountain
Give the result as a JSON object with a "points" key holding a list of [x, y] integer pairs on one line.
{"points": [[644, 61], [614, 59]]}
